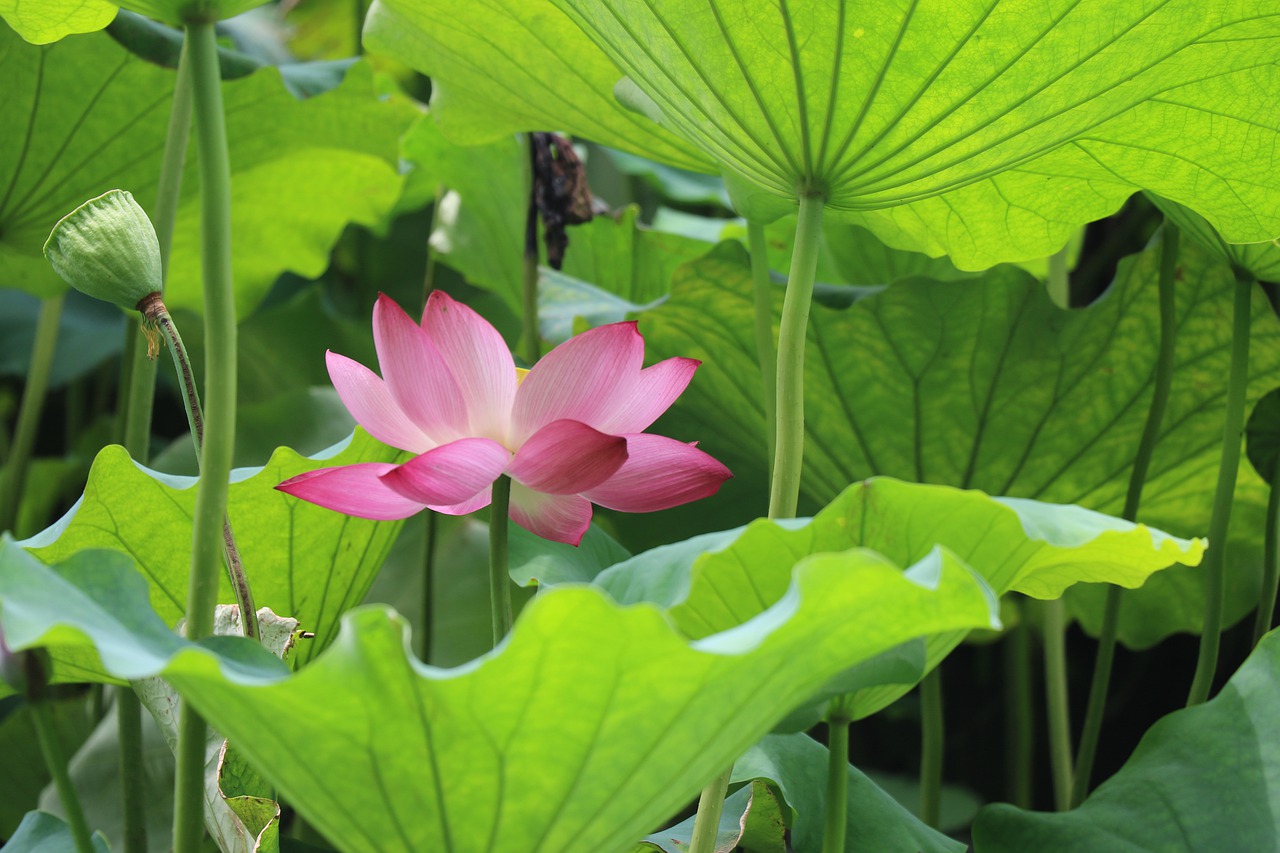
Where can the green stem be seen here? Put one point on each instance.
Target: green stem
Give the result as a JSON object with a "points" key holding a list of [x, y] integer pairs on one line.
{"points": [[33, 394], [765, 351], [706, 826], [835, 819], [54, 757], [132, 771], [430, 528], [788, 458], [1215, 560], [1059, 284], [1091, 731], [1020, 720], [931, 745], [499, 576], [1055, 692], [1270, 567], [220, 423], [529, 267]]}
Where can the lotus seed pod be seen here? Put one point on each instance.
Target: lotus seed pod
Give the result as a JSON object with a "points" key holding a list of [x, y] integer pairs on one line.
{"points": [[107, 248]]}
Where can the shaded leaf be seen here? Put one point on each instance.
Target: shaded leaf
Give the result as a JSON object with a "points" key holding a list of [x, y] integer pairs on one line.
{"points": [[301, 559], [751, 821], [990, 386], [1262, 438], [610, 716], [23, 773], [1260, 260], [41, 832], [1203, 778]]}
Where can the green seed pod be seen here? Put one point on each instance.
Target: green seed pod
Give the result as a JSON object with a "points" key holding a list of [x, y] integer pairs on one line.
{"points": [[107, 248]]}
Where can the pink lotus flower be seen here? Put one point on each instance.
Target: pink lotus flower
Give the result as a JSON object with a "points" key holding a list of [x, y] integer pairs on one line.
{"points": [[569, 433]]}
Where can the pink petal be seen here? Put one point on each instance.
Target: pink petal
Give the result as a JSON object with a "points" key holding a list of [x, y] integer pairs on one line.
{"points": [[352, 490], [479, 360], [579, 380], [480, 501], [370, 403], [560, 518], [451, 473], [416, 374], [654, 392], [659, 473], [567, 457]]}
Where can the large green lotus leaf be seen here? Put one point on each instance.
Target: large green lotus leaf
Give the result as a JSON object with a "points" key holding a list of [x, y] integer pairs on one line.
{"points": [[968, 128], [1261, 260], [990, 386], [480, 226], [90, 117], [1203, 778], [302, 560], [41, 832], [588, 726], [751, 822], [475, 52], [1016, 545], [50, 20]]}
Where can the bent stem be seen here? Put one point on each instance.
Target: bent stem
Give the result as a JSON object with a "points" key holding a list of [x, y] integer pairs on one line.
{"points": [[765, 350], [1270, 568], [1232, 427], [56, 760], [33, 394], [931, 744], [789, 454], [1055, 693], [220, 421], [499, 576], [1092, 728], [834, 822]]}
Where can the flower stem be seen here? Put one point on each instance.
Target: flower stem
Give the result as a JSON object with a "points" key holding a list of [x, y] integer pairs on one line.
{"points": [[835, 819], [765, 350], [1055, 692], [56, 760], [1059, 283], [499, 576], [1270, 568], [931, 744], [1020, 721], [529, 266], [430, 530], [1232, 428], [788, 456], [219, 439], [706, 826], [33, 394], [1092, 728]]}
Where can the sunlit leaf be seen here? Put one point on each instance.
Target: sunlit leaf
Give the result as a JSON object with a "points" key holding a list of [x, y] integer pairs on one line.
{"points": [[50, 20], [585, 729], [1204, 778], [1260, 260], [92, 117], [990, 386], [301, 559]]}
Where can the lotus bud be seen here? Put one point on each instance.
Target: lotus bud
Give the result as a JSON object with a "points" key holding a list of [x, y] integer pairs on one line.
{"points": [[107, 248]]}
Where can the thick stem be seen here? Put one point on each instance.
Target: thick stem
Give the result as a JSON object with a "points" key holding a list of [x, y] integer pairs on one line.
{"points": [[430, 527], [56, 760], [1056, 702], [931, 744], [1215, 568], [788, 457], [132, 770], [220, 420], [33, 394], [529, 266], [1019, 719], [499, 576], [1091, 730], [835, 819], [1270, 568], [765, 350], [710, 806]]}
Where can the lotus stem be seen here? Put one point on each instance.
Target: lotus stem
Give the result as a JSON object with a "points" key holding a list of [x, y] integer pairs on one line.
{"points": [[1055, 692], [33, 394], [931, 745], [765, 350], [835, 820], [1215, 562], [499, 575], [706, 824], [219, 439], [1092, 728], [1270, 568], [56, 760], [1020, 721]]}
